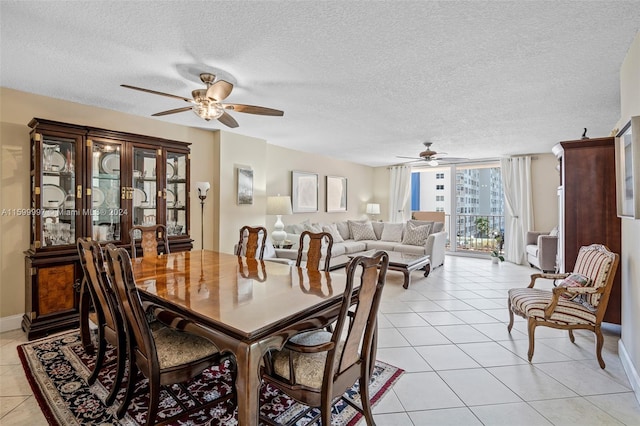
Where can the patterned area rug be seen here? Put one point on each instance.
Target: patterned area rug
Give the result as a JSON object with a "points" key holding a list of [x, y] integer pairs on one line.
{"points": [[57, 368]]}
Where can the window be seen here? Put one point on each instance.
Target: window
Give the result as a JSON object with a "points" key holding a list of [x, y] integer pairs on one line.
{"points": [[439, 186], [439, 197], [439, 175]]}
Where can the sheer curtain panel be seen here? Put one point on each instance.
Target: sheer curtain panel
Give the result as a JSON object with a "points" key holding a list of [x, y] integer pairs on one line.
{"points": [[399, 191], [516, 178]]}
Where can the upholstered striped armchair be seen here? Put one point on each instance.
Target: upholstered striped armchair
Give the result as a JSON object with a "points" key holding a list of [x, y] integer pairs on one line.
{"points": [[578, 302]]}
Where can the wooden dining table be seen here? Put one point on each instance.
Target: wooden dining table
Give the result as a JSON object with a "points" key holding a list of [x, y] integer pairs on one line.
{"points": [[246, 306]]}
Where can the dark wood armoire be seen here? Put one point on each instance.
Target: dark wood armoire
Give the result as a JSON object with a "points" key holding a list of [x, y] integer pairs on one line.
{"points": [[587, 206]]}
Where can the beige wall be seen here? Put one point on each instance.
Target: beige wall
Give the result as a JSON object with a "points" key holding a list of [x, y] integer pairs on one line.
{"points": [[630, 256]]}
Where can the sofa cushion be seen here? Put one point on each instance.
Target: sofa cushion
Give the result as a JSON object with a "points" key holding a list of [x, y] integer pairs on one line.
{"points": [[405, 248], [333, 230], [357, 222], [532, 249], [392, 232], [437, 227], [351, 246], [382, 245], [338, 249], [377, 229], [416, 235], [420, 222], [362, 231], [316, 228], [343, 229]]}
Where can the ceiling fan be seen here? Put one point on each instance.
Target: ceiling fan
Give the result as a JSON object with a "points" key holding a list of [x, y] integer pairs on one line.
{"points": [[433, 158], [207, 103]]}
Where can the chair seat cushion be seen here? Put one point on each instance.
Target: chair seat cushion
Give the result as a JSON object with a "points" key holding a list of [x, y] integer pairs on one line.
{"points": [[308, 367], [177, 347], [532, 249], [531, 303]]}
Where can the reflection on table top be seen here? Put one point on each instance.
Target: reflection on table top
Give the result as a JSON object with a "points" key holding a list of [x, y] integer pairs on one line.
{"points": [[245, 297]]}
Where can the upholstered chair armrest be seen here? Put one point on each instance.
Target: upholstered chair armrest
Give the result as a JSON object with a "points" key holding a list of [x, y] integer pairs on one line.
{"points": [[532, 237], [323, 347], [548, 311], [546, 276]]}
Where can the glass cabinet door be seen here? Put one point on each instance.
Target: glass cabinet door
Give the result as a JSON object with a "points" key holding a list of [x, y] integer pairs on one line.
{"points": [[106, 193], [56, 204], [145, 187], [177, 193]]}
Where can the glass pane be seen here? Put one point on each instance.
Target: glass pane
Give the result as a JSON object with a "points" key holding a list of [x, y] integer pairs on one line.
{"points": [[105, 192], [58, 200], [176, 194], [144, 187]]}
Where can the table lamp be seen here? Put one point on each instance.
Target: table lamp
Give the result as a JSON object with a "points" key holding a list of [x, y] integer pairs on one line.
{"points": [[373, 209], [279, 205]]}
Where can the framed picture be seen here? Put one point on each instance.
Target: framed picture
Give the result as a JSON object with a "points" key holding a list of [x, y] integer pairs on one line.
{"points": [[245, 186], [336, 194], [304, 192], [628, 169]]}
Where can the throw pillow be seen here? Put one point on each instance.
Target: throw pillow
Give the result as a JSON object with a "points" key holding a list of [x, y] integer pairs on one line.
{"points": [[392, 232], [362, 231], [437, 227], [377, 228], [356, 222], [313, 227], [554, 232], [343, 228], [333, 230], [416, 235], [574, 280]]}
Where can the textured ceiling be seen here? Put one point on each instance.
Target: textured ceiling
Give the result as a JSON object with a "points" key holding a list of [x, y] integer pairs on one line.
{"points": [[359, 81]]}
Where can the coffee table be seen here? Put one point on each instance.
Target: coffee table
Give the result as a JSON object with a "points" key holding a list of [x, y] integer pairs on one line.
{"points": [[403, 262]]}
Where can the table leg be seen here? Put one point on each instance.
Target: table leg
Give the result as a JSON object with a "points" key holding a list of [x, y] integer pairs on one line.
{"points": [[247, 384], [407, 278], [427, 269]]}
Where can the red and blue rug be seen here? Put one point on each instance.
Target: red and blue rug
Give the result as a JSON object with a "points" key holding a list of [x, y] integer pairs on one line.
{"points": [[57, 368]]}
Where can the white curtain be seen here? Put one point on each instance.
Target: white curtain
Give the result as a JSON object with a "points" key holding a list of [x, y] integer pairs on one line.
{"points": [[516, 179], [399, 191]]}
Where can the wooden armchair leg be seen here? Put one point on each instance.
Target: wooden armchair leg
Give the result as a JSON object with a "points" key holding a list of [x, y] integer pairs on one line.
{"points": [[571, 337], [599, 345], [510, 326], [531, 328]]}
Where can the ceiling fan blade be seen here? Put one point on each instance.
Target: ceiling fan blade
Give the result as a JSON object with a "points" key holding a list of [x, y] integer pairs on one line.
{"points": [[157, 93], [219, 90], [228, 120], [252, 109], [411, 158], [172, 111]]}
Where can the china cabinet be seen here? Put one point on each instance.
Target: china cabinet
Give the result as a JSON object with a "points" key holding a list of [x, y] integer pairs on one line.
{"points": [[95, 183], [587, 206]]}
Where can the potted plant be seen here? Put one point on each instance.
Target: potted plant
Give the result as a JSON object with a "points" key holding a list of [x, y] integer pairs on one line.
{"points": [[495, 256]]}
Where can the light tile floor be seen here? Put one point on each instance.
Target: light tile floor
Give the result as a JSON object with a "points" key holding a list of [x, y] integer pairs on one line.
{"points": [[448, 331]]}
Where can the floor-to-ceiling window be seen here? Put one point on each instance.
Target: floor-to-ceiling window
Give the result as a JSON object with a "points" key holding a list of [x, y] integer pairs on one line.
{"points": [[471, 197]]}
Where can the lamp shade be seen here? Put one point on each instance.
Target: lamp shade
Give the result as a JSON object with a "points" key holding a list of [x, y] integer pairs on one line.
{"points": [[202, 187], [373, 208], [279, 204]]}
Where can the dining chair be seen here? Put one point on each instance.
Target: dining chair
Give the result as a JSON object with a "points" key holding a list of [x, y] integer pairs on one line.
{"points": [[153, 240], [110, 323], [252, 242], [317, 367], [166, 355], [314, 250], [579, 301]]}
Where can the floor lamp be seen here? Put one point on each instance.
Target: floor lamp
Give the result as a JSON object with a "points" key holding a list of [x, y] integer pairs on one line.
{"points": [[203, 188]]}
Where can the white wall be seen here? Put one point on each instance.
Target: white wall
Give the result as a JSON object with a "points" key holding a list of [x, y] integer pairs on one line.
{"points": [[546, 180], [630, 257]]}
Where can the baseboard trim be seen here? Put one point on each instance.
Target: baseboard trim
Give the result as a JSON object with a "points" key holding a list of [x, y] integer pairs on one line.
{"points": [[629, 368], [10, 323]]}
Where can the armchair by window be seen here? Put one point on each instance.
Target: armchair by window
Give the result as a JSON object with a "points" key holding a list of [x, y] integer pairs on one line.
{"points": [[541, 249]]}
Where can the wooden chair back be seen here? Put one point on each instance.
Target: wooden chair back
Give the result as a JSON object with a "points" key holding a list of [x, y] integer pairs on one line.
{"points": [[252, 242], [252, 268], [154, 240], [314, 250]]}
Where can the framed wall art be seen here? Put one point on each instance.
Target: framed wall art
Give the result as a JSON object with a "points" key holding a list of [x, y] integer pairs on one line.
{"points": [[336, 188], [304, 192], [628, 169], [245, 186]]}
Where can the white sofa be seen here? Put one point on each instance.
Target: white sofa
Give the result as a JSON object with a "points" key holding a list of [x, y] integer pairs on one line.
{"points": [[353, 237]]}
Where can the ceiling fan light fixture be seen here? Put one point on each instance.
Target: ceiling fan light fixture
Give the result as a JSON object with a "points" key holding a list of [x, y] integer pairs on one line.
{"points": [[433, 163], [208, 110]]}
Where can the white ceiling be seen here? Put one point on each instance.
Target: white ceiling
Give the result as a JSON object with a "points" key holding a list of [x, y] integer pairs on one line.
{"points": [[359, 81]]}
